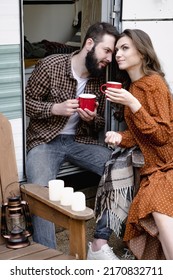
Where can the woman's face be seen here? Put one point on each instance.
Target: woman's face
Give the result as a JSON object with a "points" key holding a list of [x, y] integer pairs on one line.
{"points": [[127, 56]]}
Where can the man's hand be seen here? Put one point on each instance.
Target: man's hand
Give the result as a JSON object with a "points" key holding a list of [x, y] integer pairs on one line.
{"points": [[87, 115], [66, 108]]}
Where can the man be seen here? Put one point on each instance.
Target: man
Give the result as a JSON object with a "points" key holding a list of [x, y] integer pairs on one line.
{"points": [[59, 130]]}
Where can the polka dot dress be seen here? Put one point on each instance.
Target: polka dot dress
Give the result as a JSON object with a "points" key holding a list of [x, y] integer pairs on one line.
{"points": [[151, 128]]}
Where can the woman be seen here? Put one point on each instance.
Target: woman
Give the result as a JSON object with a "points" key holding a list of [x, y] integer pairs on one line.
{"points": [[149, 116]]}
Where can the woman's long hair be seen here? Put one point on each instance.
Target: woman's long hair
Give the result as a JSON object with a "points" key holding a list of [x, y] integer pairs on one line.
{"points": [[143, 43]]}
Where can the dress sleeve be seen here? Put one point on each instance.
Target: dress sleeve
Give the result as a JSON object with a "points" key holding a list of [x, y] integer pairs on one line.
{"points": [[127, 139], [154, 119]]}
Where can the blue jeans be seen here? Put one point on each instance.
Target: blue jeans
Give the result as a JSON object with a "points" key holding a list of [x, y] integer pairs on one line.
{"points": [[103, 230], [43, 164]]}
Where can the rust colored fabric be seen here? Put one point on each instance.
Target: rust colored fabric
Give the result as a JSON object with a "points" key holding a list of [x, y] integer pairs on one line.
{"points": [[151, 128]]}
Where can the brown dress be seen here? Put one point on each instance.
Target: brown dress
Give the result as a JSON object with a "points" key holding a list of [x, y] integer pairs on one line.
{"points": [[151, 128]]}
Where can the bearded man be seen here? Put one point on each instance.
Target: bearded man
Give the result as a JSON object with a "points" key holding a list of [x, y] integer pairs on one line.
{"points": [[59, 130]]}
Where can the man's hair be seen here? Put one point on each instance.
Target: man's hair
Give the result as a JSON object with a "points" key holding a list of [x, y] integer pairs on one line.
{"points": [[98, 30]]}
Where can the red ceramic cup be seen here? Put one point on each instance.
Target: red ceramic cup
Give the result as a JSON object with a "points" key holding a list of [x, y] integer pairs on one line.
{"points": [[87, 101], [111, 85]]}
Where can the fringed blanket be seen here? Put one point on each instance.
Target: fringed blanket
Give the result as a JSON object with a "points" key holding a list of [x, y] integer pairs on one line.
{"points": [[115, 190]]}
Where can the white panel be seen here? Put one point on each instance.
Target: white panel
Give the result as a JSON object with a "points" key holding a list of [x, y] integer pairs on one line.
{"points": [[147, 9], [162, 40], [18, 143], [9, 22]]}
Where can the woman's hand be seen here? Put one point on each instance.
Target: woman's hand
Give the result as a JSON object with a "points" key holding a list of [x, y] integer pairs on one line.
{"points": [[113, 138], [123, 97]]}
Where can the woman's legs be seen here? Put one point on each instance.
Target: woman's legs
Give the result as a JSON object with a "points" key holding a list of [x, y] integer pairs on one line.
{"points": [[165, 227]]}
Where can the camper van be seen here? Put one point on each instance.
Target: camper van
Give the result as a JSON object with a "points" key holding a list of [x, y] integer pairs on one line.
{"points": [[29, 28]]}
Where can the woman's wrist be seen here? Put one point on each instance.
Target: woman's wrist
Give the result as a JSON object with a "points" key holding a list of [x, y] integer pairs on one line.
{"points": [[135, 106]]}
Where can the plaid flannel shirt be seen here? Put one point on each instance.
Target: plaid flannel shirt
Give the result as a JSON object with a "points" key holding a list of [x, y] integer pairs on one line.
{"points": [[52, 82]]}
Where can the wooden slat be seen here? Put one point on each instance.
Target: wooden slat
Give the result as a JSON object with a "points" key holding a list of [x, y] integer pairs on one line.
{"points": [[32, 252], [41, 255], [14, 253], [8, 167], [77, 238], [47, 255], [41, 193]]}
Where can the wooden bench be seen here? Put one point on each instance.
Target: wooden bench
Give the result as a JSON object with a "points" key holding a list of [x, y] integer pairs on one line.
{"points": [[60, 215], [39, 204]]}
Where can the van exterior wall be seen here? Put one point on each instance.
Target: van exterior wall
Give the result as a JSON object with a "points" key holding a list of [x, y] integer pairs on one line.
{"points": [[160, 32], [9, 22], [155, 18], [11, 73], [147, 9]]}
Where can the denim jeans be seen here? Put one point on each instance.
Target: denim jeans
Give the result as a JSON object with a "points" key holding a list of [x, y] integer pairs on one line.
{"points": [[43, 164], [103, 230]]}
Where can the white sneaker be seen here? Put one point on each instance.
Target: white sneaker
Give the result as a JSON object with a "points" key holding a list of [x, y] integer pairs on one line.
{"points": [[105, 253]]}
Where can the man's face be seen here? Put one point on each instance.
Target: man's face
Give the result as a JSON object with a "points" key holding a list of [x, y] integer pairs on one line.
{"points": [[100, 56]]}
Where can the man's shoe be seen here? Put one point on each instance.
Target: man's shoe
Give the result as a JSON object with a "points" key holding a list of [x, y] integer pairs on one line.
{"points": [[105, 253]]}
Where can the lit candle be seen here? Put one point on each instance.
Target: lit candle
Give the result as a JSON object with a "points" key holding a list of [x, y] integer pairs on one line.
{"points": [[66, 197], [55, 189], [78, 201]]}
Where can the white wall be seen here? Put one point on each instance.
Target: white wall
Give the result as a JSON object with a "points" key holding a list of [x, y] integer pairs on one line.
{"points": [[156, 18], [147, 9], [9, 22], [10, 35], [50, 22]]}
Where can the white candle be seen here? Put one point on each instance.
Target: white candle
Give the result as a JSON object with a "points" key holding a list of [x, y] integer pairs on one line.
{"points": [[66, 197], [78, 201], [55, 189]]}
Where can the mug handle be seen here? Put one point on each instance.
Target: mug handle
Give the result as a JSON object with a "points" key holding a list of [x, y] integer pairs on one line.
{"points": [[101, 88]]}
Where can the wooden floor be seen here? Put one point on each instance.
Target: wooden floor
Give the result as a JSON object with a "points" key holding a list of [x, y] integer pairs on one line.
{"points": [[34, 251]]}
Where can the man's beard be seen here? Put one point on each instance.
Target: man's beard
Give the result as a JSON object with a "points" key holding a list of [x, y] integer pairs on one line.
{"points": [[91, 64]]}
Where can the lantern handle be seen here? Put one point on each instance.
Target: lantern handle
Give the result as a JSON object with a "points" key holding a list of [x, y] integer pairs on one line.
{"points": [[11, 193], [29, 227]]}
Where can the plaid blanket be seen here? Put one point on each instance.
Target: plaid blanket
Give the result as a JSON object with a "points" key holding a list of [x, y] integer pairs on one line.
{"points": [[115, 190]]}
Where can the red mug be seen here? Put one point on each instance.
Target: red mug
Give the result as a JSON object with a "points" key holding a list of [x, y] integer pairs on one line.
{"points": [[111, 85], [87, 101]]}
